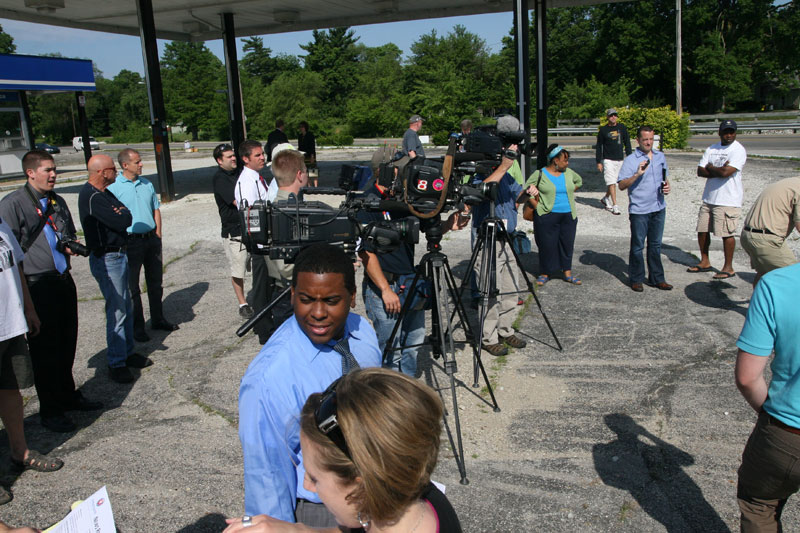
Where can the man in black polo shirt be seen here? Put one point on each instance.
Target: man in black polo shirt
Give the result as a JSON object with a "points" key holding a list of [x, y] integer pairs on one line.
{"points": [[40, 219], [224, 182], [105, 221]]}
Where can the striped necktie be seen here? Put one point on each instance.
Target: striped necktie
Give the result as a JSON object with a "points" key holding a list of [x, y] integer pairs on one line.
{"points": [[348, 361]]}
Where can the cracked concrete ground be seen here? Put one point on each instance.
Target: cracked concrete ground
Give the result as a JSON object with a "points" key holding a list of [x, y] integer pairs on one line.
{"points": [[635, 425]]}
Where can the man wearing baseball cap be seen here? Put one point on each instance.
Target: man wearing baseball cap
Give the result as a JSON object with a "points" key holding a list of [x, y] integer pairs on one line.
{"points": [[412, 147], [613, 144], [721, 165]]}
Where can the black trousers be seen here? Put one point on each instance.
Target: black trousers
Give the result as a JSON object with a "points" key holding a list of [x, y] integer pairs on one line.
{"points": [[555, 239], [53, 349], [264, 290], [145, 253]]}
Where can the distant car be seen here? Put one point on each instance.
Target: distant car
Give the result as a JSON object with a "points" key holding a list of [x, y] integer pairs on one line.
{"points": [[49, 148], [77, 143]]}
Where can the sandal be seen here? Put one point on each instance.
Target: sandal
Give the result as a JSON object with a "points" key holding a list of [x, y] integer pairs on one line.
{"points": [[542, 279], [575, 280], [38, 462]]}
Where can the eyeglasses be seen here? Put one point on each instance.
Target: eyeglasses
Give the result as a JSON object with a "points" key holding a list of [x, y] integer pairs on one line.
{"points": [[223, 148], [114, 169], [325, 418]]}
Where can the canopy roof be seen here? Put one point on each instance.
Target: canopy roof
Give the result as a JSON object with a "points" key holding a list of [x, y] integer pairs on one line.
{"points": [[199, 20]]}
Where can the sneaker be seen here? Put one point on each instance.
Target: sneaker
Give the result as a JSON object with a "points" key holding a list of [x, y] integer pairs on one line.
{"points": [[246, 312], [615, 209], [606, 201]]}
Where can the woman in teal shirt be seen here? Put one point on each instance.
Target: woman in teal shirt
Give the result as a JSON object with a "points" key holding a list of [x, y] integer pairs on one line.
{"points": [[555, 218]]}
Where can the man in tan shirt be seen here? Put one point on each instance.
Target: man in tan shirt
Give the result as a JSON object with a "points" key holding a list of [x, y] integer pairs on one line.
{"points": [[772, 218]]}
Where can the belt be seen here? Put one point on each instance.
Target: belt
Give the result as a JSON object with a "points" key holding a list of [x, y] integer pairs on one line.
{"points": [[775, 422], [147, 235], [103, 250], [33, 278], [753, 230]]}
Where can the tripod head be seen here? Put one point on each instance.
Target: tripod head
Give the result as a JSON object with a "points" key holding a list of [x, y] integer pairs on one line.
{"points": [[432, 227]]}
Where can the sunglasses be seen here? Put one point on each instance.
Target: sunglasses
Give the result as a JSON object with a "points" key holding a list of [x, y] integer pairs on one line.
{"points": [[325, 418], [224, 148]]}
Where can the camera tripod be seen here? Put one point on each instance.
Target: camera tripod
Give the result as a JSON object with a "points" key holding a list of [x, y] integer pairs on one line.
{"points": [[491, 231], [434, 268]]}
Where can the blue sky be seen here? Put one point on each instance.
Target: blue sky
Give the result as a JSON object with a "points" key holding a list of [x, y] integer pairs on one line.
{"points": [[112, 53]]}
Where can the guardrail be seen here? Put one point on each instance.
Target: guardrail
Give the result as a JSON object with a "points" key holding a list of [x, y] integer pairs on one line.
{"points": [[694, 128]]}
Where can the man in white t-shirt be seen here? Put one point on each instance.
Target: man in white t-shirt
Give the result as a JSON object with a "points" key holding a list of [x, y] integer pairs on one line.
{"points": [[721, 165], [17, 317]]}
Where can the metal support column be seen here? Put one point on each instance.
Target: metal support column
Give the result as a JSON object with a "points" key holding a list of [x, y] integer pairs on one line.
{"points": [[235, 107], [541, 81], [83, 124], [522, 78], [158, 118], [26, 114]]}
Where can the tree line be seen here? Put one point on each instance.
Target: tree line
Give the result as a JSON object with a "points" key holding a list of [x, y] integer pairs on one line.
{"points": [[737, 55]]}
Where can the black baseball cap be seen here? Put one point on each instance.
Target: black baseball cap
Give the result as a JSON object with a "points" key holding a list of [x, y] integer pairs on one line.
{"points": [[727, 125]]}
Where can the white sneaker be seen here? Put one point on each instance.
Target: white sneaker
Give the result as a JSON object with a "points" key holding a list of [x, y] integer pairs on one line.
{"points": [[615, 210], [606, 201]]}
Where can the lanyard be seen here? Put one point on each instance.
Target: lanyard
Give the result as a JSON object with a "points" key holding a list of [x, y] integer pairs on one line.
{"points": [[52, 206]]}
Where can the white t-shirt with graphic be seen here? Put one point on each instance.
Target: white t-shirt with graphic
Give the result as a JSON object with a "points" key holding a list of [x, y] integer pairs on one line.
{"points": [[725, 191], [12, 310]]}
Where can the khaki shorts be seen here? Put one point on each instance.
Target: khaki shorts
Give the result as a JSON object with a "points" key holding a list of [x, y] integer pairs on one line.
{"points": [[237, 256], [16, 370], [721, 220], [767, 252], [611, 170]]}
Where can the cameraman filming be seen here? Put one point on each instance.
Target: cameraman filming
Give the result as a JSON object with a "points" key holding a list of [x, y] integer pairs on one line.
{"points": [[497, 327], [388, 276], [42, 223]]}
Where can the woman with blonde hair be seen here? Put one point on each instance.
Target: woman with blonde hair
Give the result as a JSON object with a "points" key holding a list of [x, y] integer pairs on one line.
{"points": [[370, 443]]}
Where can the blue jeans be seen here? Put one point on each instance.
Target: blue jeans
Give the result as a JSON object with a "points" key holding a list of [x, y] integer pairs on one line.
{"points": [[651, 227], [111, 272], [411, 332]]}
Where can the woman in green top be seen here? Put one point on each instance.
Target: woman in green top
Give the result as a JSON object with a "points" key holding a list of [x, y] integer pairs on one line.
{"points": [[555, 219]]}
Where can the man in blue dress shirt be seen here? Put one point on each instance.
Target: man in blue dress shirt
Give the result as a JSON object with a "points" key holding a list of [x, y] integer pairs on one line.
{"points": [[642, 174], [298, 360], [144, 241]]}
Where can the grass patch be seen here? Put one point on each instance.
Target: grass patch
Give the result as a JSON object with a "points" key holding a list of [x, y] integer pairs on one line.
{"points": [[192, 249], [626, 510], [207, 409]]}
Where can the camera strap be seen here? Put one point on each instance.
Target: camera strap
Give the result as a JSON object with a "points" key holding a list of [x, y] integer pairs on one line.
{"points": [[45, 218]]}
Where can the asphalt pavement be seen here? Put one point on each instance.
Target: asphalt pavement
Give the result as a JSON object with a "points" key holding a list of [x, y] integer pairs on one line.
{"points": [[635, 425]]}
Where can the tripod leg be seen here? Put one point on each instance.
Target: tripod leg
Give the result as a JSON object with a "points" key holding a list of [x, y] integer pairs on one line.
{"points": [[476, 350], [247, 326], [487, 284], [507, 239]]}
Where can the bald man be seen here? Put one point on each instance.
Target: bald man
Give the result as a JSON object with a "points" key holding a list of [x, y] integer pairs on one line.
{"points": [[105, 221]]}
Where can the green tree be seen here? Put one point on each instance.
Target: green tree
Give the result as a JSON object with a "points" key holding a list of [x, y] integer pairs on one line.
{"points": [[448, 76], [334, 56], [377, 106], [258, 62], [7, 45], [293, 96], [192, 76]]}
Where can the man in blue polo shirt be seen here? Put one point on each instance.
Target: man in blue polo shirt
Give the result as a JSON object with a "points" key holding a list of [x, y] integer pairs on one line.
{"points": [[642, 173], [769, 473], [144, 241]]}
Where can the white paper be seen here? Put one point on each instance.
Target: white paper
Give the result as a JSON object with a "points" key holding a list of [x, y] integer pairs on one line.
{"points": [[93, 515]]}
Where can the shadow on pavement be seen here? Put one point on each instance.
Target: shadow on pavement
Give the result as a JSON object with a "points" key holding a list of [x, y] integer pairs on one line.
{"points": [[711, 294], [651, 470], [210, 523], [613, 264]]}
